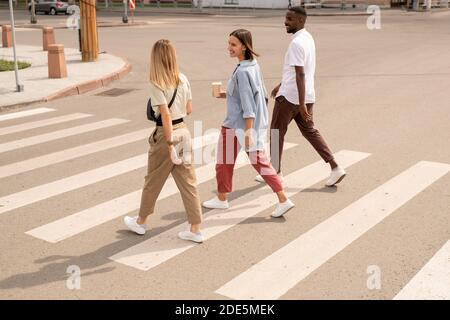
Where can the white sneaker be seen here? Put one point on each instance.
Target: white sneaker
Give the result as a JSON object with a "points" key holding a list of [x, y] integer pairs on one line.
{"points": [[259, 178], [282, 208], [190, 236], [336, 176], [131, 223], [216, 203]]}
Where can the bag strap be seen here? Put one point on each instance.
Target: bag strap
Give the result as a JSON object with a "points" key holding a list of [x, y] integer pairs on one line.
{"points": [[173, 98], [170, 103]]}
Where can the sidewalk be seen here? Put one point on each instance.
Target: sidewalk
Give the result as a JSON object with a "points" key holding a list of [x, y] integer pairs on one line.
{"points": [[225, 11], [82, 76], [100, 24]]}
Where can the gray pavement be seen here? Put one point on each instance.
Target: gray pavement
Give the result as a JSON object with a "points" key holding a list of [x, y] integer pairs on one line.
{"points": [[383, 92], [37, 84]]}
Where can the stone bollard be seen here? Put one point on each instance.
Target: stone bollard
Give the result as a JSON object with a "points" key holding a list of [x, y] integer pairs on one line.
{"points": [[6, 36], [48, 37], [56, 61]]}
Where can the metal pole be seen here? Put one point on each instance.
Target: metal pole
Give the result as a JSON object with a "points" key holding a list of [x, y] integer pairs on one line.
{"points": [[125, 15], [19, 87], [33, 19]]}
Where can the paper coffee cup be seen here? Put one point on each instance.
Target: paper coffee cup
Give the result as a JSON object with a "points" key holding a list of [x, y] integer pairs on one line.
{"points": [[216, 87]]}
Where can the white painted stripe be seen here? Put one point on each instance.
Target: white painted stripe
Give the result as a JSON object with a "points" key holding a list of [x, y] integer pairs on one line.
{"points": [[74, 182], [72, 153], [29, 196], [275, 275], [43, 123], [80, 151], [432, 282], [26, 142], [166, 245], [22, 114], [84, 220]]}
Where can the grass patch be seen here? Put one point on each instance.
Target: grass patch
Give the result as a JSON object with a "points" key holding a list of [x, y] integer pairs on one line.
{"points": [[9, 65]]}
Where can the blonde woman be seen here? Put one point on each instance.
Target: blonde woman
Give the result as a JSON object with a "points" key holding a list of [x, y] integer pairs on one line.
{"points": [[169, 142]]}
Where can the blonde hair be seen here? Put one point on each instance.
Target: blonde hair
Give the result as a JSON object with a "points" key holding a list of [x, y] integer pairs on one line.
{"points": [[164, 72]]}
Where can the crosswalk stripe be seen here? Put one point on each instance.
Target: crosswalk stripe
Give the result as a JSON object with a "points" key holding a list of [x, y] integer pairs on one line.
{"points": [[26, 142], [43, 123], [72, 153], [84, 220], [26, 197], [276, 274], [432, 282], [84, 150], [21, 114], [166, 245], [29, 196]]}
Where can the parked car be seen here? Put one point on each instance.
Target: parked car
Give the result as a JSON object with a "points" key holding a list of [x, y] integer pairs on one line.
{"points": [[52, 7]]}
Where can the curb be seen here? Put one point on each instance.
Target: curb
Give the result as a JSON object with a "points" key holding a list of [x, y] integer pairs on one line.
{"points": [[106, 25], [77, 89], [91, 84]]}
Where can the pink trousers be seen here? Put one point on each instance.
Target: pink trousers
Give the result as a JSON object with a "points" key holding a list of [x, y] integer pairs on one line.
{"points": [[227, 152]]}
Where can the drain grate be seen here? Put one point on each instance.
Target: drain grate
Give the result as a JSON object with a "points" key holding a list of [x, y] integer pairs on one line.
{"points": [[115, 92]]}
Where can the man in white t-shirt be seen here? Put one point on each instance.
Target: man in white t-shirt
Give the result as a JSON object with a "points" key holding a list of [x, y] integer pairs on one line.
{"points": [[295, 96]]}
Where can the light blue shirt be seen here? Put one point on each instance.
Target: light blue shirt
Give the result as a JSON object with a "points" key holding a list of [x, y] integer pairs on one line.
{"points": [[246, 98]]}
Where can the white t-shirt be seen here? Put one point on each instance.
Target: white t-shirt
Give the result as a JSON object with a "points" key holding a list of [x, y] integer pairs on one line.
{"points": [[178, 108], [301, 53]]}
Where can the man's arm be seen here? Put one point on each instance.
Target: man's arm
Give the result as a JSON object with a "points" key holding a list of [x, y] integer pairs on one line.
{"points": [[300, 79], [275, 90]]}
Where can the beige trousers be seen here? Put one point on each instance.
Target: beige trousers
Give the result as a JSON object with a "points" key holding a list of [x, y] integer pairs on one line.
{"points": [[160, 166]]}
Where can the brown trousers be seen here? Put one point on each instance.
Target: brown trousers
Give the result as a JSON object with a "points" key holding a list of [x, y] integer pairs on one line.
{"points": [[283, 113], [160, 166]]}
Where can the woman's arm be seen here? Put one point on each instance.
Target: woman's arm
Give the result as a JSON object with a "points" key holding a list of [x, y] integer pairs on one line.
{"points": [[248, 133], [167, 122], [168, 132], [189, 107]]}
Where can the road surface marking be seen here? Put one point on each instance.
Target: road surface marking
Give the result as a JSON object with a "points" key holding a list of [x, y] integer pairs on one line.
{"points": [[43, 123], [80, 151], [29, 196], [432, 282], [166, 245], [84, 220], [276, 274], [26, 142], [22, 114]]}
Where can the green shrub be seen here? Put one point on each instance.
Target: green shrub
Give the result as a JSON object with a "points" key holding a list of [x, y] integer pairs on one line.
{"points": [[9, 65]]}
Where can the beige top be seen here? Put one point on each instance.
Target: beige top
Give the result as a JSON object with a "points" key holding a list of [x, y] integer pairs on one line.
{"points": [[178, 108]]}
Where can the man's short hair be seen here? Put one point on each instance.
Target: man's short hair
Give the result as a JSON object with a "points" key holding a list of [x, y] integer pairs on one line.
{"points": [[299, 10]]}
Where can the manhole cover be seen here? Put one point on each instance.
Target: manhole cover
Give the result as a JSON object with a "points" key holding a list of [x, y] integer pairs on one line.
{"points": [[115, 92]]}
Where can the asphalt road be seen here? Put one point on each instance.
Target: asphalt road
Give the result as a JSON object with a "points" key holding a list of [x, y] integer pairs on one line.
{"points": [[382, 103]]}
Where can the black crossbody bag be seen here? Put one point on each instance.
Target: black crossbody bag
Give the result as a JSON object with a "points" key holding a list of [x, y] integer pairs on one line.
{"points": [[151, 113]]}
